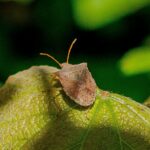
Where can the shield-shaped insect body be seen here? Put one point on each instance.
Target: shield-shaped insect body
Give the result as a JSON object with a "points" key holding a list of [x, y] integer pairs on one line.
{"points": [[76, 80]]}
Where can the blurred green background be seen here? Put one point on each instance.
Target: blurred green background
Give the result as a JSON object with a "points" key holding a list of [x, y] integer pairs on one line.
{"points": [[113, 38]]}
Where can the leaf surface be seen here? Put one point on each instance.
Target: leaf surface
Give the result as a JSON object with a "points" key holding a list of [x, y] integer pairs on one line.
{"points": [[93, 14], [136, 61], [36, 114]]}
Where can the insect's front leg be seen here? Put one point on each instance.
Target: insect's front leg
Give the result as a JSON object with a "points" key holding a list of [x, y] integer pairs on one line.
{"points": [[55, 81]]}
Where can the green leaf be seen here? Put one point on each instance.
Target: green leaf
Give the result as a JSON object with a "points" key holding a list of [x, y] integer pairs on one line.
{"points": [[36, 114], [92, 14], [136, 61]]}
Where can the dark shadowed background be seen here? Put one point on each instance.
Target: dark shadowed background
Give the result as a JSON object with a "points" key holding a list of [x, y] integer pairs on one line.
{"points": [[106, 31]]}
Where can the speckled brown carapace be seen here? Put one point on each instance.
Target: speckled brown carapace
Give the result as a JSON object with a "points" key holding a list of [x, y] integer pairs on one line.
{"points": [[78, 83], [76, 80]]}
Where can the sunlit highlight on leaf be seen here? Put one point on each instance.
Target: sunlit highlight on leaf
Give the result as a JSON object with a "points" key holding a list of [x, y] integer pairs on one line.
{"points": [[136, 61], [92, 14]]}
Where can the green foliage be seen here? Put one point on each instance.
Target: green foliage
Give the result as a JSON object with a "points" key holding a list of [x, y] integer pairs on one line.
{"points": [[136, 61], [92, 14], [36, 114]]}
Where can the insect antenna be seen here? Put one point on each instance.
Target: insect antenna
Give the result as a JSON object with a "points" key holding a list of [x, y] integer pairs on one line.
{"points": [[48, 55], [67, 61]]}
